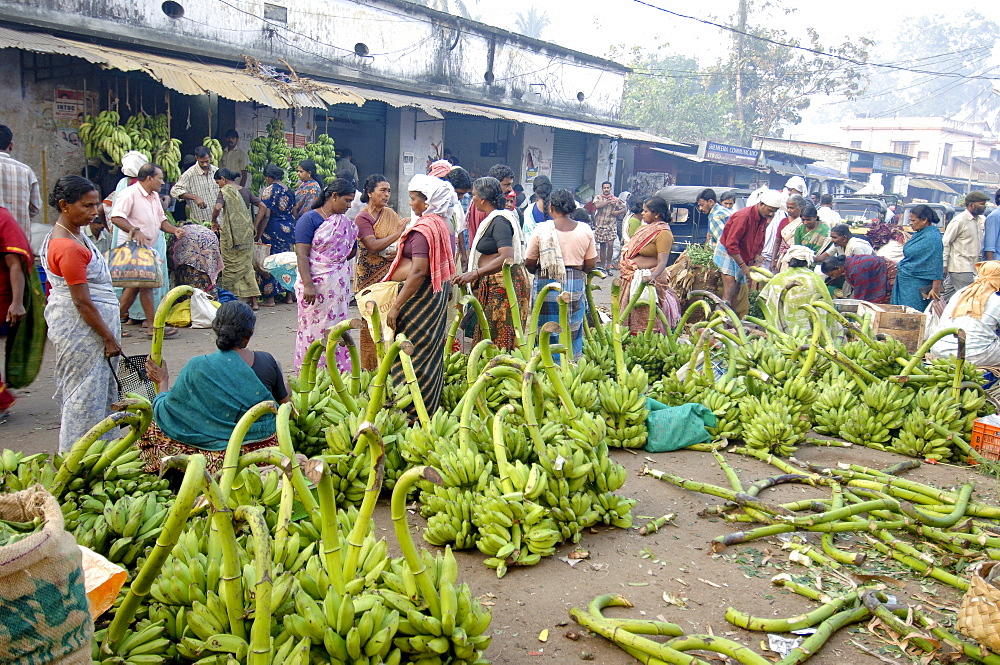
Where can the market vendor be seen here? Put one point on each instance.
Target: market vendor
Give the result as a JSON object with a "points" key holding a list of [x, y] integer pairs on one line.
{"points": [[783, 297], [976, 310], [212, 393], [844, 243], [741, 245], [866, 277]]}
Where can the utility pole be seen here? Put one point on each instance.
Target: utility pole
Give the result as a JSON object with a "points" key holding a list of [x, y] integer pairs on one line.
{"points": [[741, 25]]}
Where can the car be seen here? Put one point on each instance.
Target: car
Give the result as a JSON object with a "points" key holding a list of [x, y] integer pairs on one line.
{"points": [[859, 210], [944, 212]]}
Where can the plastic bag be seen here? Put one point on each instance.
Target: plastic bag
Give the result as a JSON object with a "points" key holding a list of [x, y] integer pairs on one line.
{"points": [[383, 294], [675, 427], [134, 266], [196, 312], [102, 579], [260, 253]]}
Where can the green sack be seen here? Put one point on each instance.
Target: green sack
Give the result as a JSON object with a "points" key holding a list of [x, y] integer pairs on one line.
{"points": [[675, 427], [26, 339]]}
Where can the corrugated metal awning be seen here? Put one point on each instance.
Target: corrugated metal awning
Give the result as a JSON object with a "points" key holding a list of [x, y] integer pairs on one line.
{"points": [[923, 183], [187, 77], [437, 107]]}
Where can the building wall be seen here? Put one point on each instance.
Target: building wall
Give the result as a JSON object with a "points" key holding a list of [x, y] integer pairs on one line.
{"points": [[832, 156], [409, 47], [536, 156], [420, 143], [467, 136]]}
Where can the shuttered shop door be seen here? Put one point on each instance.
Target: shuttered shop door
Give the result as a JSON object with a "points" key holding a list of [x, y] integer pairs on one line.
{"points": [[569, 150]]}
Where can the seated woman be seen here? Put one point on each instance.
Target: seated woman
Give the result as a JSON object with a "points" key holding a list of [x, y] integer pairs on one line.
{"points": [[976, 310], [867, 276], [783, 297], [212, 393]]}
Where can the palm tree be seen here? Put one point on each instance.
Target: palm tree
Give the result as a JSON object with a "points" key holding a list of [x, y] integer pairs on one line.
{"points": [[532, 23]]}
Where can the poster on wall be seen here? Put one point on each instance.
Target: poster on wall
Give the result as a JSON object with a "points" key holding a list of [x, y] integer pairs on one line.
{"points": [[68, 111], [408, 163]]}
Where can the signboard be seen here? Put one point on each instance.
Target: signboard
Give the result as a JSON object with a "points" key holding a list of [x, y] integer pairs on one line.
{"points": [[886, 163], [68, 110], [728, 154], [295, 140], [408, 163]]}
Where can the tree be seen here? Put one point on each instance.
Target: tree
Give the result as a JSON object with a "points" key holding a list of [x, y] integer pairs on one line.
{"points": [[778, 81], [668, 96], [532, 23]]}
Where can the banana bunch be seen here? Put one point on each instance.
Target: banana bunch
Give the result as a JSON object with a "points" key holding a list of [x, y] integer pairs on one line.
{"points": [[832, 409], [252, 488], [417, 443], [351, 629], [623, 404], [11, 460], [168, 156], [658, 354], [518, 445], [504, 520], [606, 474], [122, 530], [572, 514], [563, 461], [455, 384], [102, 136], [215, 147], [614, 510], [675, 389], [727, 412], [599, 355], [321, 152], [463, 467], [454, 631], [209, 632], [943, 370], [187, 576], [769, 425], [146, 644], [935, 420], [778, 367], [449, 512], [884, 406], [884, 360], [19, 471]]}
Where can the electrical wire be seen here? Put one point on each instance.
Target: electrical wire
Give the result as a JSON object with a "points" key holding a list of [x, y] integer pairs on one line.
{"points": [[798, 47]]}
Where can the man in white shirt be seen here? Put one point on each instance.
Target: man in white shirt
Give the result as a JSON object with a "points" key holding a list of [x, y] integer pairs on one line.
{"points": [[827, 214], [19, 191], [963, 243]]}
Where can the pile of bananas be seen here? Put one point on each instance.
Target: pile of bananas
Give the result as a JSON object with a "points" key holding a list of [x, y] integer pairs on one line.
{"points": [[125, 529], [148, 133], [322, 152], [103, 138], [623, 404], [168, 156], [271, 148], [146, 644], [935, 420], [215, 147]]}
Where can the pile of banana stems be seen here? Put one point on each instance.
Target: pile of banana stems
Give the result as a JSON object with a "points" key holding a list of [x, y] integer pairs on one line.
{"points": [[944, 528]]}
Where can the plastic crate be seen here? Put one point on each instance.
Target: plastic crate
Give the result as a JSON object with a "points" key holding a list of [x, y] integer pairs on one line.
{"points": [[986, 440]]}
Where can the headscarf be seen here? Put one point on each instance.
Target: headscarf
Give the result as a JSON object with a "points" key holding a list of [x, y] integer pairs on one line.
{"points": [[437, 192], [802, 253], [796, 183], [773, 198], [440, 168], [132, 161], [972, 299]]}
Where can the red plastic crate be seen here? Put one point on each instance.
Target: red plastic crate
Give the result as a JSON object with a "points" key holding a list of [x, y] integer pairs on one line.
{"points": [[986, 440]]}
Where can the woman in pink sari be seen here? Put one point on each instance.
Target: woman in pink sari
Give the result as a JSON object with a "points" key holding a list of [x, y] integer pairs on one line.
{"points": [[325, 242]]}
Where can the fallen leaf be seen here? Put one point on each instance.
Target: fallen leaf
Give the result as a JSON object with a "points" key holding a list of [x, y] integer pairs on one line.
{"points": [[544, 635], [671, 599], [570, 635], [579, 554]]}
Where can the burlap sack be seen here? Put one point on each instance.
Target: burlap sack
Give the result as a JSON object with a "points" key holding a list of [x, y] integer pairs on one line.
{"points": [[43, 601]]}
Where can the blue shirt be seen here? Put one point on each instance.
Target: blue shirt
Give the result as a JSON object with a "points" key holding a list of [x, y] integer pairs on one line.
{"points": [[305, 227], [991, 239]]}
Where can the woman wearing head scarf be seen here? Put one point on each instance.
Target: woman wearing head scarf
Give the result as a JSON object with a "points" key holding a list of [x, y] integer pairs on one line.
{"points": [[424, 265], [645, 258], [976, 310], [277, 230], [324, 244], [783, 297], [497, 239], [920, 274], [379, 229], [785, 237]]}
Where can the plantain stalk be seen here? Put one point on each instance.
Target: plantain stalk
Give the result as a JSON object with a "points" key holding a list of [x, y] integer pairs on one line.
{"points": [[299, 481], [260, 630], [397, 509], [918, 357], [644, 649], [654, 525], [822, 613], [814, 642], [499, 450], [482, 323], [566, 333], [548, 364], [413, 385], [138, 591], [160, 321], [376, 330], [729, 648], [329, 531], [595, 315], [230, 463], [536, 312], [376, 448], [449, 342], [230, 580], [74, 458], [616, 332], [515, 306], [337, 333]]}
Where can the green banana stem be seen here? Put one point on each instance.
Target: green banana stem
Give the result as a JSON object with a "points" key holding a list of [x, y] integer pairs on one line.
{"points": [[503, 466], [595, 316], [726, 309], [329, 531], [465, 423], [536, 312], [376, 449], [943, 521], [160, 321], [638, 626], [266, 456], [826, 540], [548, 363], [138, 591], [911, 557], [337, 333], [515, 306], [260, 630], [377, 387], [644, 649], [473, 369], [956, 386], [811, 354], [654, 309], [689, 312], [449, 342], [842, 320], [413, 385], [310, 362], [74, 459], [815, 642], [299, 480], [529, 384], [230, 463], [780, 334], [397, 509], [376, 330], [616, 332], [860, 375], [729, 648], [137, 406], [799, 622], [633, 300], [231, 579], [918, 357], [484, 326]]}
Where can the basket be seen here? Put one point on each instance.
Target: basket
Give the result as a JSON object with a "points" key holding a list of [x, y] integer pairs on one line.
{"points": [[132, 377], [986, 439], [979, 615]]}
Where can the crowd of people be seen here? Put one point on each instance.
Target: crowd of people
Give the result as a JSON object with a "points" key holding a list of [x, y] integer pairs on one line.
{"points": [[485, 236]]}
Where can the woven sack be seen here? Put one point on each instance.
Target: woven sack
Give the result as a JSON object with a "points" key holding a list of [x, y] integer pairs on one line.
{"points": [[979, 615], [43, 600]]}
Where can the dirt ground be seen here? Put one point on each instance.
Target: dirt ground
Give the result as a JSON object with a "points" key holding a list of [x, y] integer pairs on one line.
{"points": [[676, 560]]}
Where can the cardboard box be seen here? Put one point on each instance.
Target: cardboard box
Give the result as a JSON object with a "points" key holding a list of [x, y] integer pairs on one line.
{"points": [[897, 321]]}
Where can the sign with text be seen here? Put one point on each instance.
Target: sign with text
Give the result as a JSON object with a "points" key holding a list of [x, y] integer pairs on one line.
{"points": [[728, 154]]}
